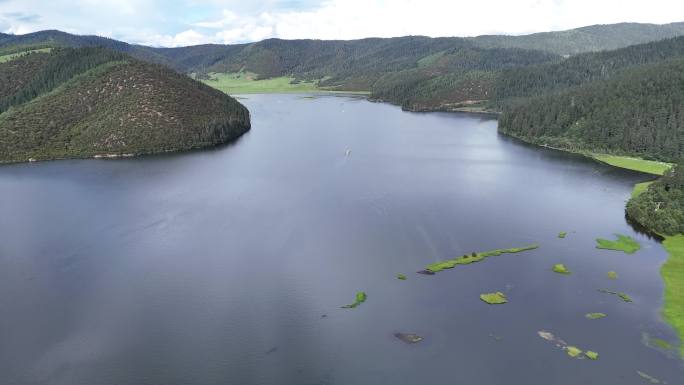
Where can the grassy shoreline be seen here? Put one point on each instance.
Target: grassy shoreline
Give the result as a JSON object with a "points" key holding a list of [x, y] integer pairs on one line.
{"points": [[245, 83], [672, 272], [634, 164]]}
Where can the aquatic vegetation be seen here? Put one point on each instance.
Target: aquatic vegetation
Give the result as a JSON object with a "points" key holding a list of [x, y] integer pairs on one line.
{"points": [[595, 315], [360, 298], [612, 275], [662, 344], [623, 243], [562, 234], [620, 294], [573, 351], [494, 298], [673, 275], [659, 344], [648, 377], [561, 269], [409, 338], [473, 258], [402, 277]]}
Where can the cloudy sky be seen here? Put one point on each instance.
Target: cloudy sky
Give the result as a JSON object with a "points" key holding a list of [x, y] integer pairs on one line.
{"points": [[188, 22]]}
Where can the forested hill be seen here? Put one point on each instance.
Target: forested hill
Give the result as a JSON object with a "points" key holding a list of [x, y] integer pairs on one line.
{"points": [[573, 102], [583, 68], [661, 206], [314, 57], [84, 102], [585, 39], [637, 112]]}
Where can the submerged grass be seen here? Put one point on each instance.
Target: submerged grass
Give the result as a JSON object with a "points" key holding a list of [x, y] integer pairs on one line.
{"points": [[635, 164], [595, 315], [612, 275], [360, 298], [620, 294], [475, 257], [673, 275], [648, 377], [623, 243]]}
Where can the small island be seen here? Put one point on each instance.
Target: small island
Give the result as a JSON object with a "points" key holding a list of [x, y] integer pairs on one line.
{"points": [[624, 243], [497, 298], [561, 269], [473, 258], [409, 338], [360, 298]]}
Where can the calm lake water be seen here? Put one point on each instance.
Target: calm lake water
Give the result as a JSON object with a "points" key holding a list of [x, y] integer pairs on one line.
{"points": [[216, 267]]}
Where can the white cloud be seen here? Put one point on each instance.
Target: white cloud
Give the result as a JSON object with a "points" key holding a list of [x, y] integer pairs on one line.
{"points": [[186, 22], [182, 39]]}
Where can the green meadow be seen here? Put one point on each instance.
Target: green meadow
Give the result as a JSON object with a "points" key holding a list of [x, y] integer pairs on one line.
{"points": [[12, 56], [636, 164], [248, 83], [673, 275]]}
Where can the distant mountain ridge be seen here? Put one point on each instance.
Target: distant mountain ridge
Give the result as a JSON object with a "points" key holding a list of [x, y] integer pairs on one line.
{"points": [[585, 39], [517, 75], [258, 57]]}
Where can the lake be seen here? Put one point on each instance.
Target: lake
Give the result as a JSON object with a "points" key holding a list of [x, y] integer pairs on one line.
{"points": [[229, 266]]}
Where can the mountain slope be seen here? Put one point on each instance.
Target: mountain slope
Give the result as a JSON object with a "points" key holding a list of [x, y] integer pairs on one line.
{"points": [[639, 112], [584, 68], [585, 39], [450, 78], [340, 59], [113, 104], [55, 38]]}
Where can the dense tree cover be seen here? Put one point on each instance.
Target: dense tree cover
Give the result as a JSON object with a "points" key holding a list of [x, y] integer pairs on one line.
{"points": [[354, 64], [585, 39], [18, 73], [450, 78], [638, 112], [62, 65], [116, 106], [584, 68], [661, 207]]}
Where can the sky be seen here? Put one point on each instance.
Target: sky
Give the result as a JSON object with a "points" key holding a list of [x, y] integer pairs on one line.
{"points": [[172, 23]]}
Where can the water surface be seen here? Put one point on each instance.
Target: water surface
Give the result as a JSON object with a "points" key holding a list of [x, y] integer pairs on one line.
{"points": [[216, 267]]}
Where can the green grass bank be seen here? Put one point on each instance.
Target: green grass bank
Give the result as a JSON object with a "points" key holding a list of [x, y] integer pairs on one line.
{"points": [[249, 83]]}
